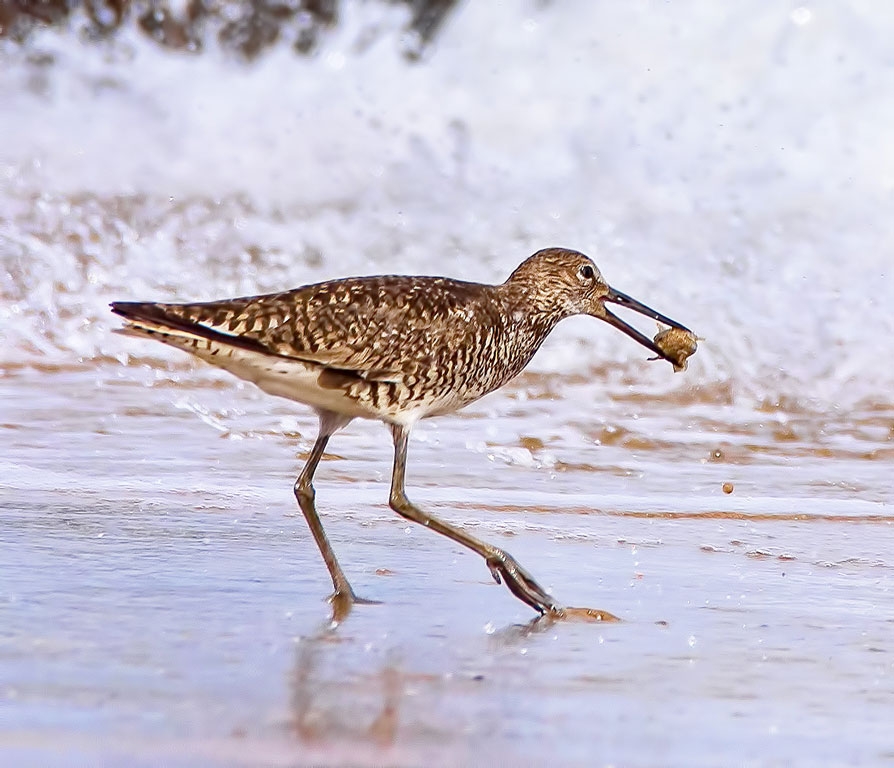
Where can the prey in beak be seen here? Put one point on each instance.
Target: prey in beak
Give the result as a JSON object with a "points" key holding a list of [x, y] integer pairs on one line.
{"points": [[674, 344]]}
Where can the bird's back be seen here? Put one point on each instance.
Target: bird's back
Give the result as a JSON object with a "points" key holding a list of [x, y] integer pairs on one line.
{"points": [[382, 347]]}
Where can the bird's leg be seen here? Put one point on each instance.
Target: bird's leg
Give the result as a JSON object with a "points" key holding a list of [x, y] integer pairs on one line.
{"points": [[343, 597], [502, 565]]}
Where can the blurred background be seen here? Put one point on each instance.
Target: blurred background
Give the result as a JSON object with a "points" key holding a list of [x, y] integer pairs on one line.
{"points": [[729, 165]]}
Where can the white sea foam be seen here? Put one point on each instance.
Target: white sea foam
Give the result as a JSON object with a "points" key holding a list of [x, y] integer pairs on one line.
{"points": [[731, 166]]}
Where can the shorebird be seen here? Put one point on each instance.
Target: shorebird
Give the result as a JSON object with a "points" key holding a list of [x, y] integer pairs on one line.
{"points": [[397, 349]]}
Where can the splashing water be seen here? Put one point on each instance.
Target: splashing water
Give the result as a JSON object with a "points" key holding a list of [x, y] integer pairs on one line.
{"points": [[747, 195]]}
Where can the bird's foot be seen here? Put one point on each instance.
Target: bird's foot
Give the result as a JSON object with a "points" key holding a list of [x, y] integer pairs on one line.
{"points": [[505, 568], [343, 600]]}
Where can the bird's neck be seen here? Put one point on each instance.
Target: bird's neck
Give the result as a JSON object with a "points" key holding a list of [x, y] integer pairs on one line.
{"points": [[524, 323], [540, 310]]}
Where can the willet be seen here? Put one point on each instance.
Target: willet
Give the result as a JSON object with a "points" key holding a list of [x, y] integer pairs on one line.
{"points": [[396, 349]]}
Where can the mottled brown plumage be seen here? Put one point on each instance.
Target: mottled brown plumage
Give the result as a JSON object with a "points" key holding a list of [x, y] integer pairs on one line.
{"points": [[392, 348]]}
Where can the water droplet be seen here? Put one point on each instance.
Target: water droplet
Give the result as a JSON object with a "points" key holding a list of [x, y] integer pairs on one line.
{"points": [[801, 16]]}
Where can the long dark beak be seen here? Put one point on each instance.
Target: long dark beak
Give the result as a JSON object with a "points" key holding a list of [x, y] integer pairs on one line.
{"points": [[622, 299]]}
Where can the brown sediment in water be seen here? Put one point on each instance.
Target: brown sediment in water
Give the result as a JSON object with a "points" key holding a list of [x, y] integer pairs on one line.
{"points": [[535, 385], [586, 615], [669, 515]]}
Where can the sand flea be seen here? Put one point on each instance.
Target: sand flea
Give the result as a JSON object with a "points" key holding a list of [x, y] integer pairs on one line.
{"points": [[678, 344]]}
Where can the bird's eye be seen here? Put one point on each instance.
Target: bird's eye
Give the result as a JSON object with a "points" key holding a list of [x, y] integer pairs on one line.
{"points": [[586, 272]]}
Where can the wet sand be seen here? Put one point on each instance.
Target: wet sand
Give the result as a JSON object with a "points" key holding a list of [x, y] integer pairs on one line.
{"points": [[163, 602]]}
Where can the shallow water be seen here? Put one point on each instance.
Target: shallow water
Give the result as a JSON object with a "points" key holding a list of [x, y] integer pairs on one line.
{"points": [[161, 600]]}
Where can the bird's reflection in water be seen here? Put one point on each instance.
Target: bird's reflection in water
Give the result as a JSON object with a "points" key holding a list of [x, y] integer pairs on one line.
{"points": [[361, 708], [334, 704]]}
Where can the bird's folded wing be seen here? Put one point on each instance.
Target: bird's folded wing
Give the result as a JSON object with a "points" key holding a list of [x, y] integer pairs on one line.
{"points": [[350, 326]]}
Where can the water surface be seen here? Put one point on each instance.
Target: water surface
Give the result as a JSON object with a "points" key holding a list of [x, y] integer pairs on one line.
{"points": [[164, 602]]}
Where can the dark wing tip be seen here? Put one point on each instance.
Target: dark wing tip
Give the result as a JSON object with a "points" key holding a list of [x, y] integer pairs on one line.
{"points": [[135, 309], [161, 315], [151, 312]]}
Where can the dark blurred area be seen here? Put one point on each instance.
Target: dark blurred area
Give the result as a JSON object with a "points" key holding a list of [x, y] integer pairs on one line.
{"points": [[245, 28]]}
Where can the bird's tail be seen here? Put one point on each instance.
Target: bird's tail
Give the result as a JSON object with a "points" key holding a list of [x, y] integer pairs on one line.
{"points": [[177, 325]]}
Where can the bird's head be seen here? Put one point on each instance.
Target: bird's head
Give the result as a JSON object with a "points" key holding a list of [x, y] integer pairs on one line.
{"points": [[560, 283]]}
